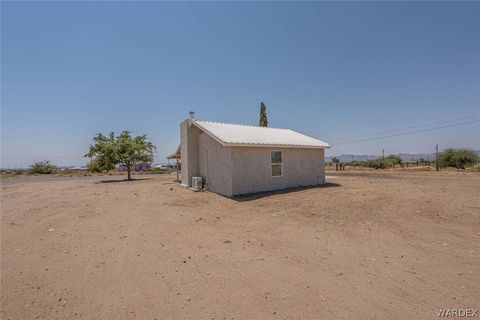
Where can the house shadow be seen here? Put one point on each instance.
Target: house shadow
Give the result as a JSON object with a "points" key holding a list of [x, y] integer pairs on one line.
{"points": [[123, 180], [265, 194]]}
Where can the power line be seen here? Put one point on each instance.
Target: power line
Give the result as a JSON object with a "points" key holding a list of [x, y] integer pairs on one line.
{"points": [[412, 127], [407, 133], [425, 123]]}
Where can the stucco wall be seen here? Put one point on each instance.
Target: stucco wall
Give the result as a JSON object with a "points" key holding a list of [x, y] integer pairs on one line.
{"points": [[189, 152], [251, 169], [215, 165]]}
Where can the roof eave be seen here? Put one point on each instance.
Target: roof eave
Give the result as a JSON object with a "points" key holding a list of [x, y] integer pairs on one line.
{"points": [[258, 145], [214, 137], [175, 155]]}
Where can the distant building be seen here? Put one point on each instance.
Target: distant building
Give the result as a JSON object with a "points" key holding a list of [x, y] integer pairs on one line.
{"points": [[166, 166], [139, 167]]}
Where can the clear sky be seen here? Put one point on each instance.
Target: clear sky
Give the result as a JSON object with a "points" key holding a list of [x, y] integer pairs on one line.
{"points": [[335, 71]]}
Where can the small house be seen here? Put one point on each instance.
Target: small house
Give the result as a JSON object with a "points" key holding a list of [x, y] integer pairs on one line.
{"points": [[235, 159]]}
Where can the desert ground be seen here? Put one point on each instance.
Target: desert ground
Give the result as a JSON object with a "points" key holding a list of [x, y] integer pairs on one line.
{"points": [[373, 245]]}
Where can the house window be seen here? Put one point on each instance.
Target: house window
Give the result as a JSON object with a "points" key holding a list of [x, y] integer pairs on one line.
{"points": [[276, 163]]}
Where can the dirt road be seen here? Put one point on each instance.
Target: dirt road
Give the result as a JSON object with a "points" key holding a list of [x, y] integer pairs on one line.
{"points": [[368, 246]]}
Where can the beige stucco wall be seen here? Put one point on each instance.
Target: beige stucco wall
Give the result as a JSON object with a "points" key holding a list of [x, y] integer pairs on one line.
{"points": [[189, 152], [215, 165], [252, 169]]}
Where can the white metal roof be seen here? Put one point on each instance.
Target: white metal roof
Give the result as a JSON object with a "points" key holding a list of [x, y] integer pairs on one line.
{"points": [[251, 136]]}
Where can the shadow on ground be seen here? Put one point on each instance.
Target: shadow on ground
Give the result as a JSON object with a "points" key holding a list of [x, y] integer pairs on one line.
{"points": [[123, 180], [260, 195]]}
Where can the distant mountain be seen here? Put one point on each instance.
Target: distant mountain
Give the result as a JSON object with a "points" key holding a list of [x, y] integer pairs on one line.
{"points": [[404, 156]]}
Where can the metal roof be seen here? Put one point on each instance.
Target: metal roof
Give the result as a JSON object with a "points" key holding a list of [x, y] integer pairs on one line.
{"points": [[175, 155], [251, 136]]}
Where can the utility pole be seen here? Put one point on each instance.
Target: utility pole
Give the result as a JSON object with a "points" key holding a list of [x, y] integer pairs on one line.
{"points": [[436, 157], [383, 154]]}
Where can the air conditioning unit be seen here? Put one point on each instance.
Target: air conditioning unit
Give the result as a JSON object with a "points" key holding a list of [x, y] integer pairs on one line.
{"points": [[197, 183]]}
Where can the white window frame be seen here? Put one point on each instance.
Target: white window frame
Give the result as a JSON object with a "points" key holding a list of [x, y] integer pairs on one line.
{"points": [[276, 164]]}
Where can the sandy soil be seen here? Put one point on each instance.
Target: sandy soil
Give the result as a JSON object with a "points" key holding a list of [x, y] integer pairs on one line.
{"points": [[368, 246]]}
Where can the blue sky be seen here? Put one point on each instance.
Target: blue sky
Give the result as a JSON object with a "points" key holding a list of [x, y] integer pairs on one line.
{"points": [[336, 71]]}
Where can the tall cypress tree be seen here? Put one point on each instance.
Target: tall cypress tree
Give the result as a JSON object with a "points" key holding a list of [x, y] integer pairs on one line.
{"points": [[263, 116]]}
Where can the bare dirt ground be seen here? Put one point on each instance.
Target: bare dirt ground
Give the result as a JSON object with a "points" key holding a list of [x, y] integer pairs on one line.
{"points": [[371, 245]]}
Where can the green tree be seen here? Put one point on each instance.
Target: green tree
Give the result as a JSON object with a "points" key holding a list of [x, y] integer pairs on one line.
{"points": [[457, 158], [263, 122], [42, 167], [335, 160], [110, 150], [392, 160], [99, 165]]}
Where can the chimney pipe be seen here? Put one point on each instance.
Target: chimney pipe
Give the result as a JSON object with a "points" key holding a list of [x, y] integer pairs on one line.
{"points": [[191, 115]]}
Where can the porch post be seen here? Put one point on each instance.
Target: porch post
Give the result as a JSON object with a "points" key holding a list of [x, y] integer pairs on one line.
{"points": [[177, 168]]}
